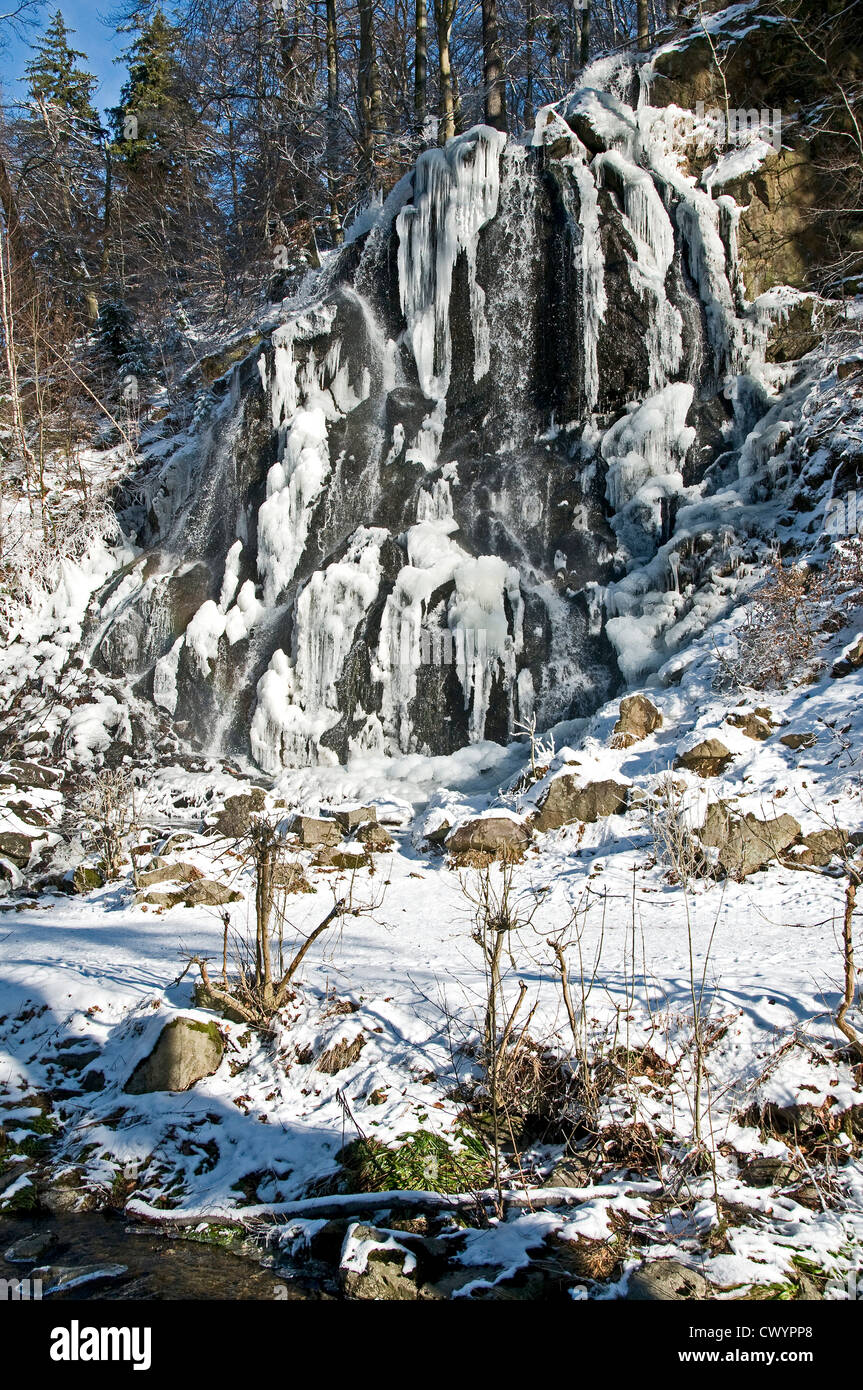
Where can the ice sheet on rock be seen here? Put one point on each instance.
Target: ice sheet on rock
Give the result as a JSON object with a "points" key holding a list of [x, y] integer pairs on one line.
{"points": [[455, 194], [293, 487]]}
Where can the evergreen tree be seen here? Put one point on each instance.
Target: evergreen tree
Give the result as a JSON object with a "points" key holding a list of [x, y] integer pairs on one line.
{"points": [[61, 162]]}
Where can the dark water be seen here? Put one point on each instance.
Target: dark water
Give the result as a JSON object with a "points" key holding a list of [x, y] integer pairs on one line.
{"points": [[157, 1267]]}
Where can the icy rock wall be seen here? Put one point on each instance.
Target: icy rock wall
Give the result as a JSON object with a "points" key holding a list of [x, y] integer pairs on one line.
{"points": [[469, 468]]}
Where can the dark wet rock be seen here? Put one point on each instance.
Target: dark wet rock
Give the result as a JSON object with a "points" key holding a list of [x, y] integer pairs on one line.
{"points": [[15, 847], [376, 1267], [23, 774], [185, 1053], [762, 1171], [31, 1248], [64, 1278]]}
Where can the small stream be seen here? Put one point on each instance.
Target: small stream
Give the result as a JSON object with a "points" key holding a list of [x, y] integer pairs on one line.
{"points": [[115, 1260]]}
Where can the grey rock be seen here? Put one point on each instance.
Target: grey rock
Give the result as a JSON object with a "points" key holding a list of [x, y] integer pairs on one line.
{"points": [[355, 816], [315, 830], [667, 1281], [31, 1248], [186, 1052]]}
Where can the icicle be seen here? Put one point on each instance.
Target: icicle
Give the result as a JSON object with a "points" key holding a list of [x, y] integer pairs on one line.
{"points": [[455, 194]]}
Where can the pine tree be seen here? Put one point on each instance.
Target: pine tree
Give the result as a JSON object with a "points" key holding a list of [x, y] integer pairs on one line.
{"points": [[59, 150]]}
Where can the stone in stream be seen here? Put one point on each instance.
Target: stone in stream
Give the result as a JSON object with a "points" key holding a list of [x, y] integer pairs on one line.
{"points": [[31, 1248]]}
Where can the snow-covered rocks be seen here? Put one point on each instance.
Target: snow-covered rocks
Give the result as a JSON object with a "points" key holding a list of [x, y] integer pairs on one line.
{"points": [[744, 844], [490, 834], [570, 799], [708, 757]]}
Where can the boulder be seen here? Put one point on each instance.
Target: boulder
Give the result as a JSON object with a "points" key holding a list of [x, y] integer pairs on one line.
{"points": [[186, 1051], [750, 724], [745, 844], [667, 1281], [638, 718], [15, 847], [204, 892], [375, 838], [568, 800], [32, 1248], [850, 660], [236, 817], [763, 1171], [819, 848], [491, 835], [22, 774], [86, 878], [331, 858], [376, 1267], [705, 759], [355, 816], [169, 873], [801, 740], [315, 830]]}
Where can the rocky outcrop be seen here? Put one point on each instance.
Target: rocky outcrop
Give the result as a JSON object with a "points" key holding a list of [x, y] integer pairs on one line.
{"points": [[744, 844], [234, 819], [316, 830], [186, 1052]]}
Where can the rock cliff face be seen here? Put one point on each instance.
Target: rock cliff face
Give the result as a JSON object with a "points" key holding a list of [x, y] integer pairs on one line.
{"points": [[473, 474]]}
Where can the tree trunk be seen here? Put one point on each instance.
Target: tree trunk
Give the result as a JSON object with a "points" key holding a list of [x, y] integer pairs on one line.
{"points": [[369, 90], [585, 34], [444, 16], [332, 120], [421, 63], [493, 74], [643, 24]]}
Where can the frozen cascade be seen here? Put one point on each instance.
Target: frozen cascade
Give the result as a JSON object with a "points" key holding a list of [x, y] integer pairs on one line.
{"points": [[594, 302], [297, 701], [455, 194], [651, 230], [477, 617], [293, 486]]}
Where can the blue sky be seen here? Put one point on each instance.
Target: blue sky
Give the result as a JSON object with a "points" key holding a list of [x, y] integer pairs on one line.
{"points": [[94, 36]]}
